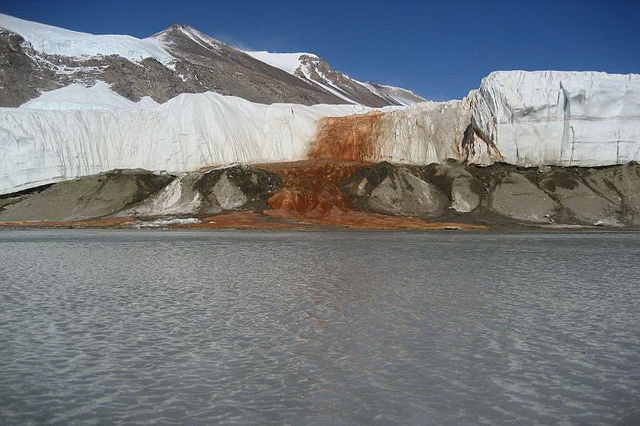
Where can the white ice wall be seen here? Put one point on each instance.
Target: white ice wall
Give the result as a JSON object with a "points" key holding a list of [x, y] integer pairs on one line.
{"points": [[426, 133], [561, 118], [185, 133]]}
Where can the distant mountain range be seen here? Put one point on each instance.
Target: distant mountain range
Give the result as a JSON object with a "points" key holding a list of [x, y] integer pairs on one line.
{"points": [[36, 57]]}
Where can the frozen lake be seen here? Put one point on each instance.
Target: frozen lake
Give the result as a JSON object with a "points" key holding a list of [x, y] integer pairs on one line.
{"points": [[318, 328]]}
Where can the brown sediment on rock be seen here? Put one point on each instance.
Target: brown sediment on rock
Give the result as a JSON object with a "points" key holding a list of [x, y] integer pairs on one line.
{"points": [[350, 138], [311, 194], [353, 219], [311, 187], [241, 220], [270, 219], [111, 222]]}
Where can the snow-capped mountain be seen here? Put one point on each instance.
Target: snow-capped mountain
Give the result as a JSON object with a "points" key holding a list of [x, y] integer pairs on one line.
{"points": [[311, 68], [36, 57]]}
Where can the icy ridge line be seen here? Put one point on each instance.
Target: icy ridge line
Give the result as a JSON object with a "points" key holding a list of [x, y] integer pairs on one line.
{"points": [[52, 40]]}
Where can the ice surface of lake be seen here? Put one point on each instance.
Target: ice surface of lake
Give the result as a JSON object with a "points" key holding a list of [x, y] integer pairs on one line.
{"points": [[318, 328]]}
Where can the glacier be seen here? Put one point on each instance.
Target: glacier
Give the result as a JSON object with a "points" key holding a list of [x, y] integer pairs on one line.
{"points": [[522, 118], [190, 131], [561, 118]]}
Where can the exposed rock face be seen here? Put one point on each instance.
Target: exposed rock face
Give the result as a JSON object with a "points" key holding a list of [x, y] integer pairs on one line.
{"points": [[463, 189], [317, 70], [20, 76], [518, 198], [388, 189], [501, 193], [622, 182], [234, 188], [88, 197], [209, 64], [572, 192], [332, 192]]}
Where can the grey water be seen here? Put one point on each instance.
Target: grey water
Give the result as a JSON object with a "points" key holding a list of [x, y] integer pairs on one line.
{"points": [[318, 328]]}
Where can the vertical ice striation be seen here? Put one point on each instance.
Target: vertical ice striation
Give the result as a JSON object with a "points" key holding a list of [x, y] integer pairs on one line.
{"points": [[561, 118]]}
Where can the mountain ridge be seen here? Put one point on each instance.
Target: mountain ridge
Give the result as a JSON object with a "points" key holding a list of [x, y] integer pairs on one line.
{"points": [[180, 59]]}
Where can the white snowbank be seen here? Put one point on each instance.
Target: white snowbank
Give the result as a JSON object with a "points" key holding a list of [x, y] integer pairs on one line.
{"points": [[58, 41], [77, 96]]}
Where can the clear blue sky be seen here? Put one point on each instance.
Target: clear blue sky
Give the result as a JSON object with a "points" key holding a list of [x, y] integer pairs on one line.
{"points": [[439, 49]]}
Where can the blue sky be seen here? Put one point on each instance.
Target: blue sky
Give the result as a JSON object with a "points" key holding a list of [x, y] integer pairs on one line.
{"points": [[439, 49]]}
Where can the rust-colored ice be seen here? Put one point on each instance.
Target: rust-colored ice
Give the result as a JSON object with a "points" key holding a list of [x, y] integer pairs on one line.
{"points": [[350, 138]]}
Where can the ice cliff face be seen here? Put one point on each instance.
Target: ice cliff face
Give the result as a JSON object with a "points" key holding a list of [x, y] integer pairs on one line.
{"points": [[430, 132], [185, 133], [522, 118], [561, 118]]}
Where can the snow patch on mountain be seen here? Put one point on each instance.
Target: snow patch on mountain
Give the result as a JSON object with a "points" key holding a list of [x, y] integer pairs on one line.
{"points": [[52, 40], [288, 62], [294, 65], [402, 96], [76, 96]]}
